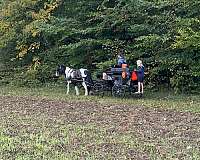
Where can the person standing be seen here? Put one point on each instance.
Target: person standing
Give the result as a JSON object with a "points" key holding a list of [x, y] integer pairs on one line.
{"points": [[140, 76]]}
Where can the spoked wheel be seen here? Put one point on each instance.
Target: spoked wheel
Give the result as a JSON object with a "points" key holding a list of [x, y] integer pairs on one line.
{"points": [[118, 91], [98, 89]]}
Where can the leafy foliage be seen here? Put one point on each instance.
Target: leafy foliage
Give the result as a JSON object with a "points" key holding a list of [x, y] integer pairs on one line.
{"points": [[39, 34]]}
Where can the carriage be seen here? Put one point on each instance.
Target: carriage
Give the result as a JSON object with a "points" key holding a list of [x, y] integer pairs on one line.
{"points": [[118, 81]]}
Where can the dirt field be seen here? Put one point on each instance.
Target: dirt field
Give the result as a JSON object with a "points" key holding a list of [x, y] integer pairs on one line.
{"points": [[33, 128]]}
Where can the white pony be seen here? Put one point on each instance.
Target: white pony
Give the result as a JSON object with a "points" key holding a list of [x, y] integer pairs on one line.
{"points": [[76, 76]]}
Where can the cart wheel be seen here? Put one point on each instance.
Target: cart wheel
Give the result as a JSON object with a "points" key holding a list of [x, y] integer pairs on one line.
{"points": [[98, 89], [118, 91]]}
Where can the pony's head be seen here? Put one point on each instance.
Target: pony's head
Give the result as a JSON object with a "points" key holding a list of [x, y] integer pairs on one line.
{"points": [[60, 70]]}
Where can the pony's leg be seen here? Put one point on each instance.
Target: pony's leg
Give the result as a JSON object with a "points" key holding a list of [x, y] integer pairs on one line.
{"points": [[68, 87], [77, 90], [89, 90], [85, 87]]}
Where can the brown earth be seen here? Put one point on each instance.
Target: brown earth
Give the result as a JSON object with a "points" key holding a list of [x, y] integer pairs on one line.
{"points": [[143, 132]]}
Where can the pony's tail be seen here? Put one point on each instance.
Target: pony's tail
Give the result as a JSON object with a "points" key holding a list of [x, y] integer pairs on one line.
{"points": [[88, 78]]}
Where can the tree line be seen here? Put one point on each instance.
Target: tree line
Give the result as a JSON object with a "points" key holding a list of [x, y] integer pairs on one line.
{"points": [[37, 35]]}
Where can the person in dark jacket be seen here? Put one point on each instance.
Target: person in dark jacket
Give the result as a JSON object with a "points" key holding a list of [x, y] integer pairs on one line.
{"points": [[140, 76]]}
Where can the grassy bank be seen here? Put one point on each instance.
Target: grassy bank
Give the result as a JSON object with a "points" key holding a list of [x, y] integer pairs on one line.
{"points": [[164, 100]]}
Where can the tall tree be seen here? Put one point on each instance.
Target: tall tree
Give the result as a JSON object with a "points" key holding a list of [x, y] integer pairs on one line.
{"points": [[39, 34]]}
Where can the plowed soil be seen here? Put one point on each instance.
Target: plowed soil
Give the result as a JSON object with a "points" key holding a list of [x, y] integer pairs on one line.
{"points": [[48, 129]]}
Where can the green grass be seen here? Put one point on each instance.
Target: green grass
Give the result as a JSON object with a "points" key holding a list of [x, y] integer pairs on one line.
{"points": [[31, 126], [165, 100]]}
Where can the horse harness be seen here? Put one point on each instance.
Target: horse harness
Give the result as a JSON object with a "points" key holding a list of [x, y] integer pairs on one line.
{"points": [[74, 74]]}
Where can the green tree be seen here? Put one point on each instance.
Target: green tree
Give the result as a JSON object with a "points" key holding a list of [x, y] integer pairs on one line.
{"points": [[39, 34]]}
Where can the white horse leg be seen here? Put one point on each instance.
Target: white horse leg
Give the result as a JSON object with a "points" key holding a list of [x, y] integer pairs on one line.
{"points": [[68, 87], [77, 90], [85, 87]]}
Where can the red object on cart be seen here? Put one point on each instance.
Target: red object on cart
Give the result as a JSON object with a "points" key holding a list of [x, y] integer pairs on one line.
{"points": [[124, 73], [134, 76]]}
